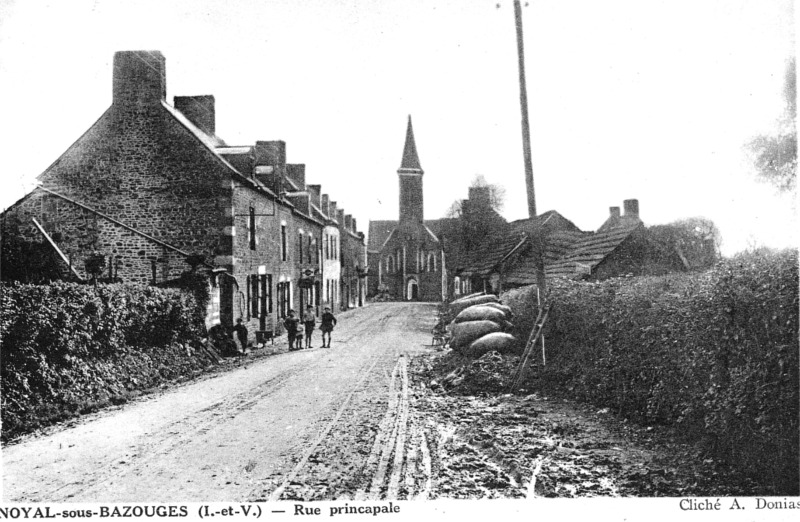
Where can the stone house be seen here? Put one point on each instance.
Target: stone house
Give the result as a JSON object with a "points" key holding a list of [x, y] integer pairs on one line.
{"points": [[152, 188], [353, 260], [622, 245]]}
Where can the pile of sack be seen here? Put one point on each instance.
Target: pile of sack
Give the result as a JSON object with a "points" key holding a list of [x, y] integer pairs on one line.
{"points": [[481, 325]]}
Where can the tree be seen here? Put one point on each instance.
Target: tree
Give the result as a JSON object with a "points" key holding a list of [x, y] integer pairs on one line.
{"points": [[474, 223], [495, 198], [775, 156], [477, 217], [695, 240]]}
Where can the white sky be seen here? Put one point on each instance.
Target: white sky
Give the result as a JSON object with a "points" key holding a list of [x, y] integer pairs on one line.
{"points": [[628, 99]]}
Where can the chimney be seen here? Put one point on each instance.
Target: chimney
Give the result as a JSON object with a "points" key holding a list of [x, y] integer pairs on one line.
{"points": [[348, 222], [315, 192], [333, 210], [340, 217], [297, 173], [613, 212], [199, 110], [480, 196], [326, 205], [300, 200], [271, 153], [631, 208], [270, 177], [140, 78], [354, 226]]}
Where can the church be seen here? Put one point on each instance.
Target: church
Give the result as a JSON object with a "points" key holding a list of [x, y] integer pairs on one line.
{"points": [[406, 257]]}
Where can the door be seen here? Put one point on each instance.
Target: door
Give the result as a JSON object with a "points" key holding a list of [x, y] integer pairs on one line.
{"points": [[413, 290]]}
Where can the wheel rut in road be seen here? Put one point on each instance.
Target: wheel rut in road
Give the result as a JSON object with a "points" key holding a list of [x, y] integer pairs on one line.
{"points": [[246, 433]]}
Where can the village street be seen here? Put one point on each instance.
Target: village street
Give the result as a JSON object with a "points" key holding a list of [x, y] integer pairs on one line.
{"points": [[232, 436], [363, 420]]}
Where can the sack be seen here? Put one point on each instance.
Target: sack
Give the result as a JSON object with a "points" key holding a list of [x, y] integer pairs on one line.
{"points": [[503, 308], [465, 333], [481, 313], [496, 341], [457, 306], [467, 297]]}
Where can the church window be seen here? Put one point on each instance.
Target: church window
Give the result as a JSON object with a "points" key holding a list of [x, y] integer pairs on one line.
{"points": [[431, 262]]}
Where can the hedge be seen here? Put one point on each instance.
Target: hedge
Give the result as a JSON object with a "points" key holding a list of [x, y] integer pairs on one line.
{"points": [[713, 354], [67, 348]]}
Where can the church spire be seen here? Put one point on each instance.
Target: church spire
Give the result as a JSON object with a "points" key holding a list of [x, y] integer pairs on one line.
{"points": [[410, 162], [410, 174]]}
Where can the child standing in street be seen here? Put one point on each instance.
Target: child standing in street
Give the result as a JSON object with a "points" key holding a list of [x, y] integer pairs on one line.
{"points": [[326, 326], [309, 320], [291, 323]]}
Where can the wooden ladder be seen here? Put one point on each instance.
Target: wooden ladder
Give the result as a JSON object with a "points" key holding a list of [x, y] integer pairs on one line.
{"points": [[527, 354]]}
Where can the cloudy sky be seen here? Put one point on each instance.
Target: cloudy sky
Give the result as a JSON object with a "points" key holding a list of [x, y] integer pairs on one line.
{"points": [[642, 99]]}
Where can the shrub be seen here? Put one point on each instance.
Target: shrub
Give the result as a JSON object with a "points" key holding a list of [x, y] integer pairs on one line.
{"points": [[714, 354], [66, 347]]}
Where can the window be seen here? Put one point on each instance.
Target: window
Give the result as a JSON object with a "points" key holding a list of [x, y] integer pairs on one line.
{"points": [[390, 264], [284, 298], [251, 228], [283, 243], [264, 289], [254, 296], [300, 246], [309, 250], [248, 301], [316, 253]]}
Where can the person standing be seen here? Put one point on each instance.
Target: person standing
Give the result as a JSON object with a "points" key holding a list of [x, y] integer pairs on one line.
{"points": [[291, 323], [326, 326], [309, 320], [241, 334]]}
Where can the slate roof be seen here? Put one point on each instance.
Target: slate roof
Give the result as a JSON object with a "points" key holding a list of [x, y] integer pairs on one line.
{"points": [[483, 260], [380, 230], [571, 254], [587, 253]]}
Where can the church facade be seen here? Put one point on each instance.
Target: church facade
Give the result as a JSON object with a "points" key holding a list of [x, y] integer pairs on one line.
{"points": [[406, 258]]}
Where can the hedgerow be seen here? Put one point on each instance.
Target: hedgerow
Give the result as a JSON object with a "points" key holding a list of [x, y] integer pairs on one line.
{"points": [[67, 348], [714, 354]]}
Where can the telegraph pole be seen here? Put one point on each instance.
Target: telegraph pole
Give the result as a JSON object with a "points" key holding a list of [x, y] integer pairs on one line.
{"points": [[536, 233], [523, 101]]}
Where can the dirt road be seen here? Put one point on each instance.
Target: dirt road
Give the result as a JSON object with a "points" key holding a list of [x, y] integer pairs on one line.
{"points": [[361, 421], [268, 430]]}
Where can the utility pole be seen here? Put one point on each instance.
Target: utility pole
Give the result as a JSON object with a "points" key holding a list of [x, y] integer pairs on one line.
{"points": [[536, 233], [523, 101]]}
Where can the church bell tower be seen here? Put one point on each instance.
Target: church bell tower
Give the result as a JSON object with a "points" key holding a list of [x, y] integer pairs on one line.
{"points": [[410, 174]]}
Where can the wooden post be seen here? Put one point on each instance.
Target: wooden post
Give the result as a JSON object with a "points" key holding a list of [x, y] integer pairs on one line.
{"points": [[523, 100], [536, 233]]}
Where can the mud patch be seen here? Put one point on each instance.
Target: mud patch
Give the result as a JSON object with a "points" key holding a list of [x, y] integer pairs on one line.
{"points": [[495, 445]]}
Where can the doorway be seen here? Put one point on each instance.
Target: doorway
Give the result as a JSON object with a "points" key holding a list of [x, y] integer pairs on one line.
{"points": [[412, 290]]}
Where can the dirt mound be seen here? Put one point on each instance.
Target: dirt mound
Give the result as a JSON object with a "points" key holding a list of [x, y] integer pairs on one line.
{"points": [[464, 376]]}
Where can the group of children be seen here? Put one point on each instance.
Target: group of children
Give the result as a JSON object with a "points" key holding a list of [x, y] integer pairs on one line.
{"points": [[292, 324]]}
